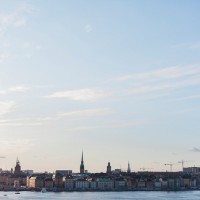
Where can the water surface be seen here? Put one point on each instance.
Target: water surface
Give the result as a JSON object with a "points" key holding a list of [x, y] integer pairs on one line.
{"points": [[185, 195]]}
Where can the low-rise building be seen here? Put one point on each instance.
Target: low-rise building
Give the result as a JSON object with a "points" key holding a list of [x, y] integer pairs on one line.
{"points": [[185, 182], [48, 183], [69, 183], [171, 183], [58, 180], [93, 185], [158, 184], [81, 184], [164, 183], [119, 183], [35, 181], [105, 184], [141, 183]]}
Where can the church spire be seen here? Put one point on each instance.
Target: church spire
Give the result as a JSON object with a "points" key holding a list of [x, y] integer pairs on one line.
{"points": [[82, 165], [82, 157], [129, 169]]}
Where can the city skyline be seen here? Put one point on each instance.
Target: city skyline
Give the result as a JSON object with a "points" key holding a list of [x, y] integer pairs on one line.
{"points": [[118, 79]]}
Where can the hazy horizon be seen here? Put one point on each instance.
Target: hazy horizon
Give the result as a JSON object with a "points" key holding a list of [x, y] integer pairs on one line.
{"points": [[119, 79]]}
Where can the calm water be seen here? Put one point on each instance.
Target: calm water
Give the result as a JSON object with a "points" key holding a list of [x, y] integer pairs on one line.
{"points": [[193, 195]]}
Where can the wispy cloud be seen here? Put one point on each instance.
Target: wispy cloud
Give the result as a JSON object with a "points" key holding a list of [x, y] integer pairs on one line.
{"points": [[86, 94], [20, 22], [19, 122], [190, 97], [18, 88], [38, 120], [164, 86], [88, 28], [195, 149], [160, 82], [24, 88], [86, 113], [2, 92], [7, 107], [2, 157], [27, 8], [112, 124], [164, 73], [17, 18], [11, 146], [195, 45], [3, 57], [188, 45]]}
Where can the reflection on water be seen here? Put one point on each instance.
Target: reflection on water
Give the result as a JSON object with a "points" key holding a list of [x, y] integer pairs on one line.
{"points": [[187, 195]]}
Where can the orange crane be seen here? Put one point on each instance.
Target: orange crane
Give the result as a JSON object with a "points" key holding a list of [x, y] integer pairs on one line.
{"points": [[170, 164], [183, 162]]}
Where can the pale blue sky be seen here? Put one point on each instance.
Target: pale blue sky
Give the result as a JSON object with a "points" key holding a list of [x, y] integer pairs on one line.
{"points": [[119, 79]]}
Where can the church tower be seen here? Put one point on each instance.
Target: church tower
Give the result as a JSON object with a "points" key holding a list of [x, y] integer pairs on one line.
{"points": [[108, 171], [17, 167], [129, 169], [82, 165]]}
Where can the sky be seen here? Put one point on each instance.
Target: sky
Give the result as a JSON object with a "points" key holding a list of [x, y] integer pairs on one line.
{"points": [[118, 79]]}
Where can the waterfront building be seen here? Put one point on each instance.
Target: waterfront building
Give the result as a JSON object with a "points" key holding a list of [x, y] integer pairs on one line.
{"points": [[141, 183], [48, 183], [193, 183], [171, 183], [4, 179], [158, 183], [177, 182], [131, 183], [58, 180], [16, 184], [105, 184], [150, 184], [185, 181], [93, 184], [21, 178], [69, 183], [82, 165], [36, 181], [164, 183], [108, 171], [81, 184], [119, 183]]}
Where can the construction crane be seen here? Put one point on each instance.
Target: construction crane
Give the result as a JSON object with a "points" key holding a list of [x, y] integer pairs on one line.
{"points": [[170, 164], [183, 162]]}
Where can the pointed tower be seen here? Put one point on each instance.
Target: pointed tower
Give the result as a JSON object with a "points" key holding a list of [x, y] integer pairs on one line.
{"points": [[129, 169], [17, 167], [108, 171], [82, 165]]}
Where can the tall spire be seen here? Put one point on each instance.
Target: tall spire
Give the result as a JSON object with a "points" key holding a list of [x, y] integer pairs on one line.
{"points": [[129, 169], [82, 165], [17, 161], [82, 157]]}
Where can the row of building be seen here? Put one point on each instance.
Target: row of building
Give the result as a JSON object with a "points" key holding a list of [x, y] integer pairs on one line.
{"points": [[66, 180], [122, 181]]}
